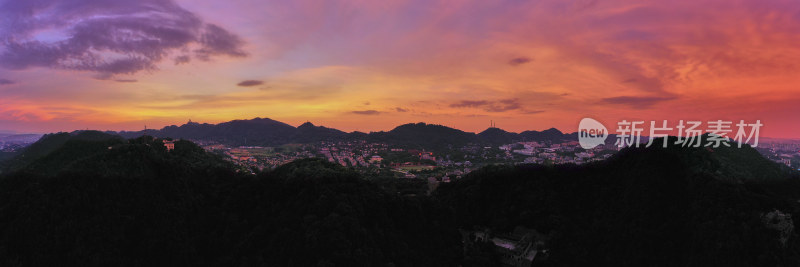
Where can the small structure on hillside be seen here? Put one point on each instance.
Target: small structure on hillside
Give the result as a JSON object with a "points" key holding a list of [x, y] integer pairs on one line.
{"points": [[424, 155], [169, 144], [520, 248]]}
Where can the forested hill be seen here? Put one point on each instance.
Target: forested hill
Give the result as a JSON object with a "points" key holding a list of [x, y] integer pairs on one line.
{"points": [[131, 202], [644, 207], [116, 202], [49, 143]]}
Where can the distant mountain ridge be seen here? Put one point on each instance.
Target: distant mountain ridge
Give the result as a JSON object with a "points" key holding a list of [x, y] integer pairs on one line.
{"points": [[268, 132]]}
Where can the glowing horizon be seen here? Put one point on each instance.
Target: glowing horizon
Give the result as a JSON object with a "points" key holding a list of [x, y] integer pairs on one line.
{"points": [[374, 65]]}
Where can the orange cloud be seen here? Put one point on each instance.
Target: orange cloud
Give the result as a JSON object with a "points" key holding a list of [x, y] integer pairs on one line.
{"points": [[524, 64]]}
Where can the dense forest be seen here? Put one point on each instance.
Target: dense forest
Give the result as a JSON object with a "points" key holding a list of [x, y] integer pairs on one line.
{"points": [[643, 207], [95, 199], [133, 203]]}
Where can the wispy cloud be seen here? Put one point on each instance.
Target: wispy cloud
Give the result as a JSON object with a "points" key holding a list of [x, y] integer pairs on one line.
{"points": [[126, 80], [489, 106], [532, 112], [639, 102], [469, 103], [249, 83], [365, 112], [519, 61], [6, 82]]}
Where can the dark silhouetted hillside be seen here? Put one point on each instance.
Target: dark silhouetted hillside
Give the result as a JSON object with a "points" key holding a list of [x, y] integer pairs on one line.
{"points": [[257, 131], [52, 142], [551, 134], [422, 135], [308, 132], [497, 136], [101, 202], [643, 207], [137, 204]]}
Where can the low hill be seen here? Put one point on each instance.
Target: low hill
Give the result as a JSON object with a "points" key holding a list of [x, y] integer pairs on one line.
{"points": [[551, 134], [258, 131], [137, 204], [308, 132], [51, 142], [423, 135]]}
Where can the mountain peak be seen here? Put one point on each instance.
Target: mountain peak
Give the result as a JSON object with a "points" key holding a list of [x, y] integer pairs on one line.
{"points": [[493, 130], [423, 126], [307, 124], [552, 130]]}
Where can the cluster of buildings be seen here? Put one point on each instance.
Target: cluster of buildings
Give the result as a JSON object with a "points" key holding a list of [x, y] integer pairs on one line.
{"points": [[558, 153], [445, 166], [442, 166], [13, 143], [786, 152], [355, 154], [10, 147], [352, 154], [257, 157]]}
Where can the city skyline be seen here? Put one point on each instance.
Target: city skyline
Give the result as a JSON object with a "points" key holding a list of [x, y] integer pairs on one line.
{"points": [[367, 66]]}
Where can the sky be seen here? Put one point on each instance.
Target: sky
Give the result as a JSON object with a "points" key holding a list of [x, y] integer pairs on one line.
{"points": [[372, 65]]}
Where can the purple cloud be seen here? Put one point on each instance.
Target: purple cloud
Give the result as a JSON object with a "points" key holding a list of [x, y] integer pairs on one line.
{"points": [[490, 106], [110, 37], [503, 105], [249, 83], [641, 102], [519, 61], [182, 59], [532, 111], [217, 41], [366, 112], [6, 82], [469, 104]]}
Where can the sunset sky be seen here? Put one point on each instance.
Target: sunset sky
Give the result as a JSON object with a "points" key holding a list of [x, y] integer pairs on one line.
{"points": [[372, 65]]}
